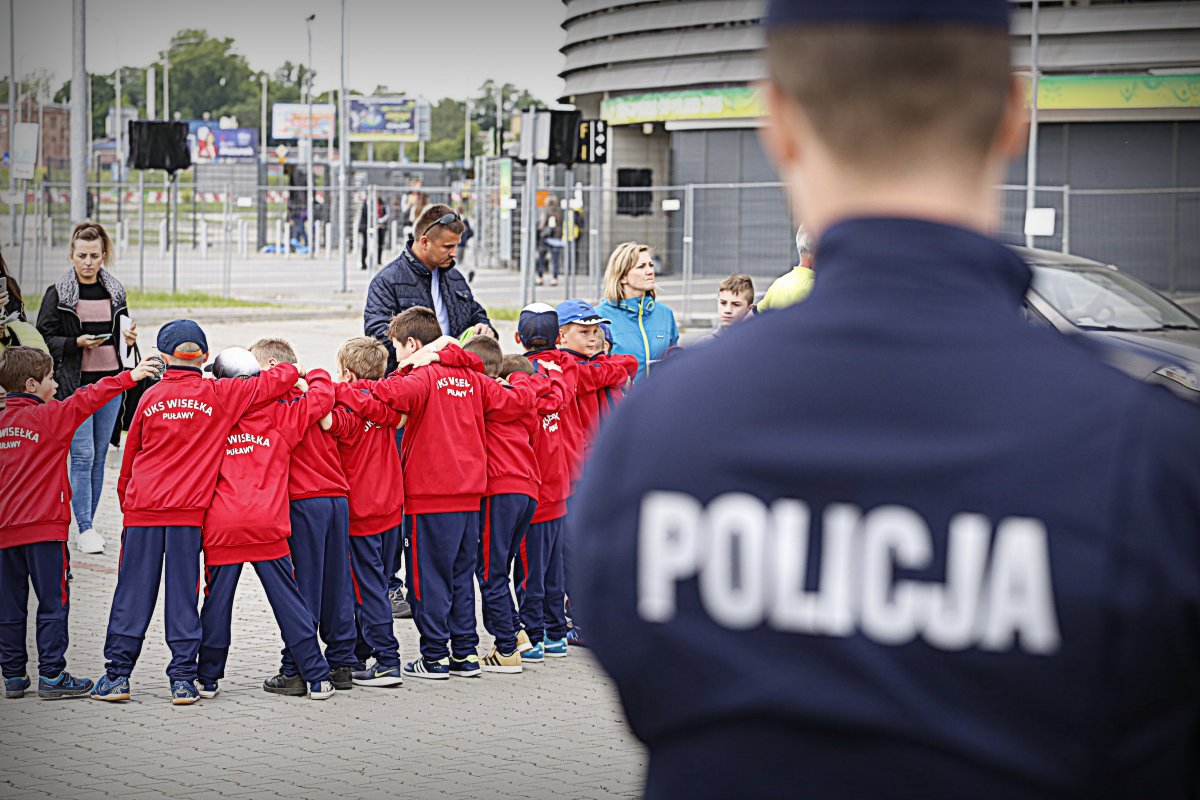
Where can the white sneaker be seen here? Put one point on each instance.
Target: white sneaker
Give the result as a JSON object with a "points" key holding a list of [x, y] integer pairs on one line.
{"points": [[90, 541]]}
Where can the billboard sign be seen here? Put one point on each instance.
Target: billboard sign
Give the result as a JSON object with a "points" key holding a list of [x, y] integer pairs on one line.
{"points": [[383, 119], [210, 143], [290, 121]]}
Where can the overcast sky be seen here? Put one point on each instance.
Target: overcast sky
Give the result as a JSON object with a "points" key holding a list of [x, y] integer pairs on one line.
{"points": [[439, 48]]}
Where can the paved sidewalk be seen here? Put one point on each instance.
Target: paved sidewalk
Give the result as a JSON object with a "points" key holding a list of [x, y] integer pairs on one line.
{"points": [[554, 731]]}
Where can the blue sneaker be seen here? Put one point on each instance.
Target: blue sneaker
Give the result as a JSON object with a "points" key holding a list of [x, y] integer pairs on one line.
{"points": [[183, 693], [320, 690], [534, 656], [555, 648], [111, 688], [575, 638], [209, 690], [62, 687], [424, 668], [465, 667], [376, 675], [14, 688]]}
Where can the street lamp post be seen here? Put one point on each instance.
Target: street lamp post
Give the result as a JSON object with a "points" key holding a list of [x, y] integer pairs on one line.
{"points": [[344, 159], [1031, 151], [263, 132], [312, 138]]}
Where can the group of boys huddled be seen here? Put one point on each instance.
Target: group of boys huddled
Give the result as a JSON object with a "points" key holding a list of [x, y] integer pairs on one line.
{"points": [[301, 476]]}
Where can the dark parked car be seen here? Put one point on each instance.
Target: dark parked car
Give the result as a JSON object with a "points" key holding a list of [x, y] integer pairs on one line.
{"points": [[1139, 331]]}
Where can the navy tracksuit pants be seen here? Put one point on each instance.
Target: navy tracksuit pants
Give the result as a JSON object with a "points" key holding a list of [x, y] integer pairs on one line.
{"points": [[373, 609], [540, 582], [295, 622], [440, 551], [320, 544], [504, 521], [44, 564], [143, 552]]}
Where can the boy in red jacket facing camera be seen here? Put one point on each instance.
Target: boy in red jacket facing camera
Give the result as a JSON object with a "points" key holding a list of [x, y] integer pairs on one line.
{"points": [[445, 476], [248, 523], [35, 512], [366, 443], [172, 456]]}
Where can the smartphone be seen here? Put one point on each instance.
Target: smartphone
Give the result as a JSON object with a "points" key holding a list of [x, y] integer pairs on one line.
{"points": [[104, 337]]}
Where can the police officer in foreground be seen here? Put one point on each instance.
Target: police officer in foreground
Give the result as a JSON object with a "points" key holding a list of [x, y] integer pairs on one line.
{"points": [[907, 545]]}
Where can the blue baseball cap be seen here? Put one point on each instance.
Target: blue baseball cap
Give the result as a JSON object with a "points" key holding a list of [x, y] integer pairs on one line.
{"points": [[981, 13], [606, 329], [579, 311], [538, 325], [174, 334]]}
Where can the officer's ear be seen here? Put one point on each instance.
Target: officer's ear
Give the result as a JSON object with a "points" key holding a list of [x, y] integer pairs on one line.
{"points": [[783, 132], [1012, 134]]}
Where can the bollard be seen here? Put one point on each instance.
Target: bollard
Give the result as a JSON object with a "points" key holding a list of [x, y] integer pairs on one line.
{"points": [[392, 234], [162, 237], [328, 226], [314, 241], [203, 238]]}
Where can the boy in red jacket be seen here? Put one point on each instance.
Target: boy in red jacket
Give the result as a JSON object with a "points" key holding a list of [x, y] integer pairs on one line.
{"points": [[540, 572], [35, 512], [172, 456], [320, 542], [445, 476], [366, 442], [248, 523]]}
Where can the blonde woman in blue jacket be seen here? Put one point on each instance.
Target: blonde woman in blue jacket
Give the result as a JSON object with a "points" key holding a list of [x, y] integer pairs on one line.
{"points": [[641, 326]]}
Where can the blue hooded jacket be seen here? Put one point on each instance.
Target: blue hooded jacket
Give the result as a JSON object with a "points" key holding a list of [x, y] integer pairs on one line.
{"points": [[911, 545], [642, 327]]}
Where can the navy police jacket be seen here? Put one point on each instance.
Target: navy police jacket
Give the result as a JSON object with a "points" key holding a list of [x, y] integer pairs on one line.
{"points": [[906, 545], [406, 282]]}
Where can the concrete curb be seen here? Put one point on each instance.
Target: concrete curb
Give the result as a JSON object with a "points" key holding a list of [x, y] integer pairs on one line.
{"points": [[158, 316]]}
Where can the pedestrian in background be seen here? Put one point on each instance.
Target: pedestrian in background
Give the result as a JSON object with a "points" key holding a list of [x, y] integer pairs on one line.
{"points": [[81, 320], [641, 326], [793, 286], [899, 542]]}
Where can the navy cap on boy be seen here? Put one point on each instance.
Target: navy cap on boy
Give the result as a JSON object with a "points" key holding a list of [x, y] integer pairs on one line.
{"points": [[984, 13], [578, 311], [538, 325], [174, 334]]}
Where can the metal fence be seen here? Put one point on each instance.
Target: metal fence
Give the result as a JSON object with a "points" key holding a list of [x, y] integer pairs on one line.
{"points": [[256, 242]]}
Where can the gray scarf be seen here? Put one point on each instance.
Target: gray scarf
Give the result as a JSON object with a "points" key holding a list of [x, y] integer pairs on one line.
{"points": [[68, 289]]}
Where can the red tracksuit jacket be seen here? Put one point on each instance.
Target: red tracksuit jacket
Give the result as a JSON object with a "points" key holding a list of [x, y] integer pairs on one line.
{"points": [[366, 442], [316, 469], [550, 446], [511, 462], [35, 439], [248, 520], [570, 423], [597, 375], [443, 453], [177, 440]]}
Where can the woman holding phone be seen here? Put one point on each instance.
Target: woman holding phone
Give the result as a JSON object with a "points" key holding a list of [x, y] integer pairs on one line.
{"points": [[80, 319]]}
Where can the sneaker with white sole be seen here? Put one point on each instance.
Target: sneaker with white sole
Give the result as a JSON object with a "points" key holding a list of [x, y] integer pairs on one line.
{"points": [[505, 663], [90, 541], [320, 690], [111, 688], [209, 690], [376, 675], [465, 667], [555, 648], [523, 643], [535, 656], [424, 668]]}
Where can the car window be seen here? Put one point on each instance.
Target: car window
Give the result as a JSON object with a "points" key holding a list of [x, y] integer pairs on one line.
{"points": [[1104, 299]]}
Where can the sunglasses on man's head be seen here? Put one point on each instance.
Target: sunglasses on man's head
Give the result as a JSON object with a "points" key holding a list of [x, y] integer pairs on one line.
{"points": [[444, 220]]}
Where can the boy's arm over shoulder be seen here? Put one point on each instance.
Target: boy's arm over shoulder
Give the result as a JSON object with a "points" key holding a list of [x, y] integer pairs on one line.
{"points": [[302, 412], [454, 356], [242, 396], [344, 425], [367, 407], [404, 393], [507, 404], [86, 401], [607, 371]]}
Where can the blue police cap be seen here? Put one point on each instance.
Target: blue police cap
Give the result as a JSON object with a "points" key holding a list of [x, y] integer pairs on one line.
{"points": [[983, 13], [180, 332], [538, 325]]}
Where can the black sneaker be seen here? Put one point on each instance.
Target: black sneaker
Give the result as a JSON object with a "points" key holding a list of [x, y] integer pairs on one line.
{"points": [[290, 685], [343, 678]]}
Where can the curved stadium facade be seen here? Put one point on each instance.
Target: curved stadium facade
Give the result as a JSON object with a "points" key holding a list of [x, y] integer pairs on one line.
{"points": [[1119, 106]]}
